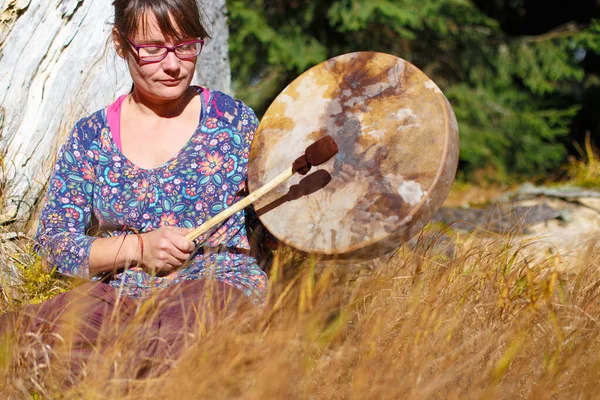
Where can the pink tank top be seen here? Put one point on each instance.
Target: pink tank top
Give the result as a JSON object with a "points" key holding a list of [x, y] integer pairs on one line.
{"points": [[113, 116]]}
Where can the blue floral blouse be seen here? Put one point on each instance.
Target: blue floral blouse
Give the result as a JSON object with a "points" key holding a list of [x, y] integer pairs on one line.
{"points": [[92, 179]]}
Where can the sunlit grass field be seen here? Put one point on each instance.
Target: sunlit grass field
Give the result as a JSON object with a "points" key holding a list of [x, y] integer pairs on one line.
{"points": [[450, 315], [470, 317]]}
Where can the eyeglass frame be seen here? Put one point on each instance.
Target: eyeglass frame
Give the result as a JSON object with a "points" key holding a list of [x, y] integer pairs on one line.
{"points": [[137, 48]]}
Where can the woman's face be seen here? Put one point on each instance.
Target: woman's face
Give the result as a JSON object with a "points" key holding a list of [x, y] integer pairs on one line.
{"points": [[160, 81]]}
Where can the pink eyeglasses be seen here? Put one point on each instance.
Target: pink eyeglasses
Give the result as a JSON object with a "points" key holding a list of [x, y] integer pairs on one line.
{"points": [[156, 52]]}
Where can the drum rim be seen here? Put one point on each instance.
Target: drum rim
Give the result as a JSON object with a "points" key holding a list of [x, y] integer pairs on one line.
{"points": [[450, 134]]}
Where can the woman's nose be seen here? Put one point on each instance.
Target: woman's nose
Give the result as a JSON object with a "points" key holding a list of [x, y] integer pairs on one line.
{"points": [[170, 62]]}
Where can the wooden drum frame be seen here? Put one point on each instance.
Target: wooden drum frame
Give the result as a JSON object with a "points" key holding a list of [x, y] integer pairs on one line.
{"points": [[398, 154]]}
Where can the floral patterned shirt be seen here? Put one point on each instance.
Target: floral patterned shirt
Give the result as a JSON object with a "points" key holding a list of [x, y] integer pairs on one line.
{"points": [[92, 179]]}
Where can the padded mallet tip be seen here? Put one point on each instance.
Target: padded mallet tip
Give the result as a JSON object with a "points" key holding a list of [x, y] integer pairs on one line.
{"points": [[301, 165], [321, 151]]}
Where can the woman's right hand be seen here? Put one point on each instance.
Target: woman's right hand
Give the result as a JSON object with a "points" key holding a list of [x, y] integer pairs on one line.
{"points": [[165, 249]]}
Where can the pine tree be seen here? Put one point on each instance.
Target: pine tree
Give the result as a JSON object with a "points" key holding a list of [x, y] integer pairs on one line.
{"points": [[515, 95]]}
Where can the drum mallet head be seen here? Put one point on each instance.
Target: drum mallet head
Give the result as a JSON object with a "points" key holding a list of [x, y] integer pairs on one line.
{"points": [[315, 154]]}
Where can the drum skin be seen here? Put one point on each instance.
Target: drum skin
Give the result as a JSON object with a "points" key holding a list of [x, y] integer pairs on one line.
{"points": [[398, 154]]}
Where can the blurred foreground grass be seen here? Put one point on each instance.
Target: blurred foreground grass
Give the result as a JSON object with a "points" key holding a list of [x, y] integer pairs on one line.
{"points": [[469, 318], [452, 316]]}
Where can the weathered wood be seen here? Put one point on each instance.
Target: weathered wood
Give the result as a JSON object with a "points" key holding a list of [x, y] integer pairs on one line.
{"points": [[504, 219], [529, 191], [56, 66]]}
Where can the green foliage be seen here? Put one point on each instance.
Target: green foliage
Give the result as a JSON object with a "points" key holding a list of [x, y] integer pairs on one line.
{"points": [[352, 16], [37, 283], [507, 132], [590, 38], [285, 46], [264, 46], [515, 96]]}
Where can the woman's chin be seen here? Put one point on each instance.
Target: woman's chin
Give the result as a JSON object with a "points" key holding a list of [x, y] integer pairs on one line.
{"points": [[169, 90]]}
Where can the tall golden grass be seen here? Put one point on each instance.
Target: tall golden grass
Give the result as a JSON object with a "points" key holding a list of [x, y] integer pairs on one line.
{"points": [[585, 171], [470, 317], [451, 316]]}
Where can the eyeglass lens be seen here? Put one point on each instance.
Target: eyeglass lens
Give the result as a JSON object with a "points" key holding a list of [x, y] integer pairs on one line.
{"points": [[150, 53]]}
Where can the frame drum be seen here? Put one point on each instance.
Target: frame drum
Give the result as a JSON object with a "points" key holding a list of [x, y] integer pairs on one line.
{"points": [[398, 154]]}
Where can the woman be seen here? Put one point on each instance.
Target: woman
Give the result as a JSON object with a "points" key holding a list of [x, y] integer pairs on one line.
{"points": [[158, 161], [155, 163]]}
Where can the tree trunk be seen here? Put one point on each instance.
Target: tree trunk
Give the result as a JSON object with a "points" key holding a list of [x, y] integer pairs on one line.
{"points": [[56, 66]]}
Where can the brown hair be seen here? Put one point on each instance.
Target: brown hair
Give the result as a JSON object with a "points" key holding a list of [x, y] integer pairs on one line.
{"points": [[176, 18]]}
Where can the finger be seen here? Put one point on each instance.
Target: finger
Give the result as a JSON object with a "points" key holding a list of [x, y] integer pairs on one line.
{"points": [[180, 230], [174, 260], [159, 266], [177, 257], [173, 240], [183, 245]]}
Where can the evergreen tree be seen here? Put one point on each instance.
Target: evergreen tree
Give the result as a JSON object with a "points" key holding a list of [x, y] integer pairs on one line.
{"points": [[515, 92]]}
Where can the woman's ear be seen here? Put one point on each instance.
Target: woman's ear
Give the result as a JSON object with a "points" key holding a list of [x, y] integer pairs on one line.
{"points": [[118, 43]]}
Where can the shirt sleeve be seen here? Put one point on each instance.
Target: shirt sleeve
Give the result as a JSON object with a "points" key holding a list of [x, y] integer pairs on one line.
{"points": [[61, 235]]}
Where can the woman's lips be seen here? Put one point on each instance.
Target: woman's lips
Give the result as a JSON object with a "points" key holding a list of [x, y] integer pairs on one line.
{"points": [[170, 82]]}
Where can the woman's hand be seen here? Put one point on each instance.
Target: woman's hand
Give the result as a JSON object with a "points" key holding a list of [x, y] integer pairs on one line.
{"points": [[165, 249]]}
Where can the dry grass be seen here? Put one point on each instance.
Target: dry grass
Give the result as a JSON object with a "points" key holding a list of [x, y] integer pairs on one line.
{"points": [[585, 172], [470, 317], [482, 322]]}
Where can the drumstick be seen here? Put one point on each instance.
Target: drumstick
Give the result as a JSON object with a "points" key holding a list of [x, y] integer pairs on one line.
{"points": [[315, 154]]}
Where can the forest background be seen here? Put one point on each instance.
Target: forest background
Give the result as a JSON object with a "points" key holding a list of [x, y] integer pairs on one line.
{"points": [[523, 76]]}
